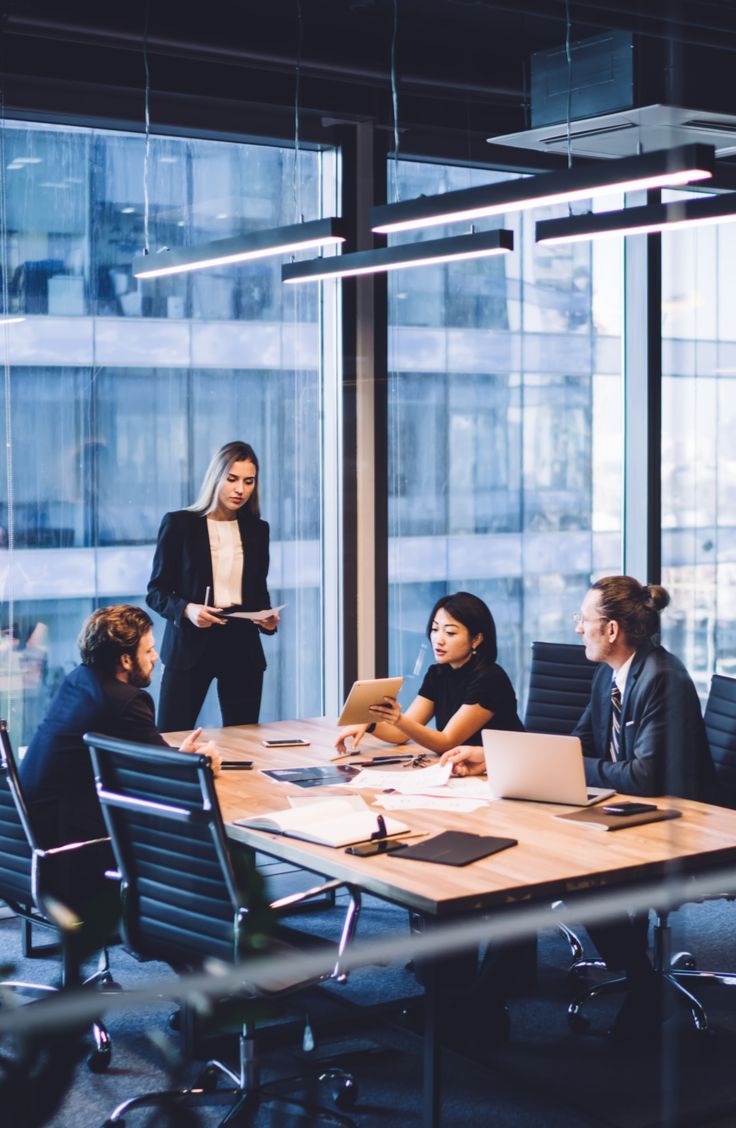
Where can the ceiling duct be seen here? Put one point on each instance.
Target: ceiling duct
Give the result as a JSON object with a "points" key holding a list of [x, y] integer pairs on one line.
{"points": [[619, 95]]}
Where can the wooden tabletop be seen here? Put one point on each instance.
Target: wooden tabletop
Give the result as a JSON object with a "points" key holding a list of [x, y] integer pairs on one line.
{"points": [[554, 858]]}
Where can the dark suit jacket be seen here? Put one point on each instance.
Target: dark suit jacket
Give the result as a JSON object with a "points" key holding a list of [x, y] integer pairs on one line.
{"points": [[664, 749], [181, 574], [56, 771]]}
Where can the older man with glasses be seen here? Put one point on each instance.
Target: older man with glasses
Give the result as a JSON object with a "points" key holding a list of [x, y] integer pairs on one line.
{"points": [[642, 734]]}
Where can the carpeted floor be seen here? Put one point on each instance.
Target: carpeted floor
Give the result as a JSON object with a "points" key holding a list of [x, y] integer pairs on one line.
{"points": [[545, 1077]]}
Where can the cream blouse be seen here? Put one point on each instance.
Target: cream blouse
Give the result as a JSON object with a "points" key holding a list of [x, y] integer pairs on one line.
{"points": [[226, 549]]}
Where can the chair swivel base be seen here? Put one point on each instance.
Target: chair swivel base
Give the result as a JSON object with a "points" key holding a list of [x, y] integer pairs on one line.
{"points": [[98, 1060], [247, 1095], [579, 1023]]}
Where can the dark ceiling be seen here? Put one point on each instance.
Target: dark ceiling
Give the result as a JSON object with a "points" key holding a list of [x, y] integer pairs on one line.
{"points": [[461, 66]]}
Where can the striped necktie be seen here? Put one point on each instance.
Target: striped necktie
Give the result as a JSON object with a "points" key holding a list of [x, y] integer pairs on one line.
{"points": [[615, 746]]}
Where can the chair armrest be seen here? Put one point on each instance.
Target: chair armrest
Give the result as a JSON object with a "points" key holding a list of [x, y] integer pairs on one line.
{"points": [[72, 847]]}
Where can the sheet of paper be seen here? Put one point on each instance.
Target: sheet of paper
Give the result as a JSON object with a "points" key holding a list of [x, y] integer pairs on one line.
{"points": [[406, 782], [473, 787], [349, 802], [427, 803], [254, 616]]}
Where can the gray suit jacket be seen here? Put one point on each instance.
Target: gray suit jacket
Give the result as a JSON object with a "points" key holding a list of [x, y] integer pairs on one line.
{"points": [[664, 749]]}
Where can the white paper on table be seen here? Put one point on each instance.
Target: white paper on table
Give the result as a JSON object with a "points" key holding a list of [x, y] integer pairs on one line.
{"points": [[464, 787], [427, 803], [414, 782], [254, 616], [356, 802]]}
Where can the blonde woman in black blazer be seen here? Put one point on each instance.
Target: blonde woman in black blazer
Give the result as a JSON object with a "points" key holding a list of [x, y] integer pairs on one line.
{"points": [[217, 549]]}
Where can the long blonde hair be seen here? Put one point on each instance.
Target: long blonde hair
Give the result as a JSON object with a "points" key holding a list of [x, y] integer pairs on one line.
{"points": [[217, 470]]}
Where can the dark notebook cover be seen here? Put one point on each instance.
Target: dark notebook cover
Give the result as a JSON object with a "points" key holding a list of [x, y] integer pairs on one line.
{"points": [[454, 848], [595, 816]]}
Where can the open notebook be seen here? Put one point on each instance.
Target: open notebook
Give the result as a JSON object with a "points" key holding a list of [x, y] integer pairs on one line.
{"points": [[328, 822]]}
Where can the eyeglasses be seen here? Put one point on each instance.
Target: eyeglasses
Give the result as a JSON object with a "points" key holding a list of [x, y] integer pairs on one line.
{"points": [[579, 619]]}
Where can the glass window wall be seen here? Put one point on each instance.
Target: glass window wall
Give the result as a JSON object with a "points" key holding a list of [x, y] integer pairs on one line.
{"points": [[117, 391], [698, 465], [505, 432]]}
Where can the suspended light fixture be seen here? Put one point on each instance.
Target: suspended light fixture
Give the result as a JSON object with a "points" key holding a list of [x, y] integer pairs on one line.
{"points": [[10, 319], [639, 221], [237, 248], [683, 164], [241, 248], [479, 244]]}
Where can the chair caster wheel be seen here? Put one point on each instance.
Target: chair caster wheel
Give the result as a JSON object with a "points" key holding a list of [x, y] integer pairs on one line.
{"points": [[344, 1090], [99, 1061], [684, 961], [208, 1078], [347, 1096], [174, 1020], [112, 985], [577, 1022], [114, 1124]]}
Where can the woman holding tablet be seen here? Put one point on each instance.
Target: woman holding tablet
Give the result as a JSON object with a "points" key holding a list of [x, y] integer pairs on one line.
{"points": [[212, 559], [465, 692]]}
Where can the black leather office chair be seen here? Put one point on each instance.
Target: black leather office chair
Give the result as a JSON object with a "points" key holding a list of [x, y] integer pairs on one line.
{"points": [[720, 727], [29, 883], [183, 903], [559, 687], [680, 969]]}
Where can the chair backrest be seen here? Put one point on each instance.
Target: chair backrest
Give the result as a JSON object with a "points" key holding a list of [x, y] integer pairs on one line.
{"points": [[181, 899], [17, 843], [559, 687], [720, 727]]}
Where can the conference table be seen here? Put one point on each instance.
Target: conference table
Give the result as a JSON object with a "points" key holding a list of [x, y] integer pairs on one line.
{"points": [[554, 859]]}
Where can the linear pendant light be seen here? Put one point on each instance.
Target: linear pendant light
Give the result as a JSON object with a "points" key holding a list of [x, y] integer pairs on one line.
{"points": [[479, 244], [638, 221], [682, 164], [241, 248]]}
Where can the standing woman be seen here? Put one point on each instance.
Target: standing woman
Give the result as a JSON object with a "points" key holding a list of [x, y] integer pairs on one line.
{"points": [[210, 558]]}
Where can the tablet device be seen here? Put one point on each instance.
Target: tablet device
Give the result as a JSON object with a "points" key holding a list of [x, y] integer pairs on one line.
{"points": [[363, 695]]}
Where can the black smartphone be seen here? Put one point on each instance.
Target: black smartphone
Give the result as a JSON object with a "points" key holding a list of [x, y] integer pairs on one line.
{"points": [[294, 742], [236, 765], [628, 808], [380, 846]]}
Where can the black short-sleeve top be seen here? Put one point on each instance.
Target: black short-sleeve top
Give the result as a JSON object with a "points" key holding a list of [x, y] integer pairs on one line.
{"points": [[475, 683]]}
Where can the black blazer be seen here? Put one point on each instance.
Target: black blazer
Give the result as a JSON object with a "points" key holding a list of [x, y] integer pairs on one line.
{"points": [[664, 749], [56, 771], [181, 574]]}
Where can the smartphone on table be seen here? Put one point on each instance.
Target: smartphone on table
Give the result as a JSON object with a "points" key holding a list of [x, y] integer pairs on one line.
{"points": [[368, 849], [628, 808], [292, 742]]}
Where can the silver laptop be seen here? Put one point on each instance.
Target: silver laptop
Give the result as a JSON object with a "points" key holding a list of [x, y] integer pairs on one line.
{"points": [[531, 765]]}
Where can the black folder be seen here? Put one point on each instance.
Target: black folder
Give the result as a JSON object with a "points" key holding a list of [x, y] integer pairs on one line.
{"points": [[454, 848]]}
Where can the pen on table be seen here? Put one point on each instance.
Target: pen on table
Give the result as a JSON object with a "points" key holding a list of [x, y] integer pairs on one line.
{"points": [[394, 837], [206, 596], [391, 759], [378, 760]]}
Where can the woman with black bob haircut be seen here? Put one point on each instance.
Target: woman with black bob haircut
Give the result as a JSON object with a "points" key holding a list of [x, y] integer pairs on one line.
{"points": [[465, 691]]}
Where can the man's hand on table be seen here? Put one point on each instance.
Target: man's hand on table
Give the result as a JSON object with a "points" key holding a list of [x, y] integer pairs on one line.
{"points": [[192, 743]]}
